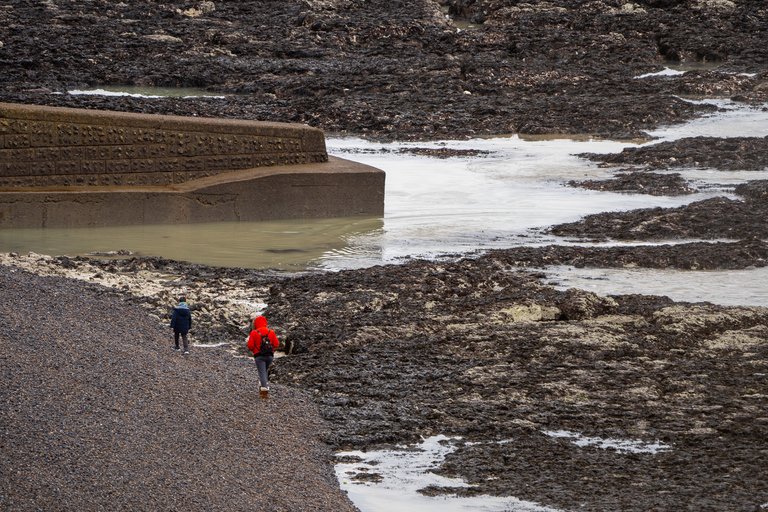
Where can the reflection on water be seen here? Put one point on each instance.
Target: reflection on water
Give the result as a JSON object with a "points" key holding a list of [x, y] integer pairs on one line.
{"points": [[285, 245]]}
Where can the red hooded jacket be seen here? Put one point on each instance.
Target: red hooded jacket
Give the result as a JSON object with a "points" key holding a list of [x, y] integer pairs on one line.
{"points": [[260, 329]]}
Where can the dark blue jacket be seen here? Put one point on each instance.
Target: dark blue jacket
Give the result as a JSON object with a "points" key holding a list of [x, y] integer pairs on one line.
{"points": [[181, 318]]}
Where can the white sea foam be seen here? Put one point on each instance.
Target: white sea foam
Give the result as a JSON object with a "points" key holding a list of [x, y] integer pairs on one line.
{"points": [[664, 72], [128, 93], [619, 445], [732, 119]]}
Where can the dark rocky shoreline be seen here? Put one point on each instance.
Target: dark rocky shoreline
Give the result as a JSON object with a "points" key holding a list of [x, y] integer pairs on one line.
{"points": [[394, 70], [479, 350], [651, 183], [719, 217], [383, 351], [725, 154]]}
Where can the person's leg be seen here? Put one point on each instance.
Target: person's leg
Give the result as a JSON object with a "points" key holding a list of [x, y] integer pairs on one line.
{"points": [[186, 343], [268, 361], [262, 364], [176, 339]]}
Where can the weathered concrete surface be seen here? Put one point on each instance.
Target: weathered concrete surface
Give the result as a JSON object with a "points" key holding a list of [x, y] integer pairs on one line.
{"points": [[336, 188], [62, 167]]}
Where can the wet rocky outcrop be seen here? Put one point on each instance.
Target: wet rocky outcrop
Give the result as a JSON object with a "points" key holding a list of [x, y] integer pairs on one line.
{"points": [[725, 154], [396, 70], [719, 217], [756, 190], [652, 183], [478, 350], [686, 256], [445, 152]]}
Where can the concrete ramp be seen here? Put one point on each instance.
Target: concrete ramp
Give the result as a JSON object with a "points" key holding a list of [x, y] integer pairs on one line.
{"points": [[62, 167]]}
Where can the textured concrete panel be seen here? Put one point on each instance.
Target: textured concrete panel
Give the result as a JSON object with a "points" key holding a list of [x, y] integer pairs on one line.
{"points": [[63, 167], [49, 146]]}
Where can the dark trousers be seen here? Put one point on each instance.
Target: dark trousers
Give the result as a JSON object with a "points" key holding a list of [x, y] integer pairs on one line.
{"points": [[262, 364], [183, 337]]}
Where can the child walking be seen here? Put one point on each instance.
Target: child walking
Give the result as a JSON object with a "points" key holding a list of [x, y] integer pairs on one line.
{"points": [[181, 323], [262, 342]]}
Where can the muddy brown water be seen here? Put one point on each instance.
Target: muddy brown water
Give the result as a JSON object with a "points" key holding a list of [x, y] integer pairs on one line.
{"points": [[284, 245]]}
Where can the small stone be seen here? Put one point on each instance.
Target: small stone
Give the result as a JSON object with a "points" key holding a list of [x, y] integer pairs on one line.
{"points": [[163, 38], [206, 7]]}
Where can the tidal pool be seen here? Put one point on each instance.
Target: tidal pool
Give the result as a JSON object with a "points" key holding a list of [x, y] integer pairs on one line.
{"points": [[282, 245], [138, 91], [389, 481], [724, 287]]}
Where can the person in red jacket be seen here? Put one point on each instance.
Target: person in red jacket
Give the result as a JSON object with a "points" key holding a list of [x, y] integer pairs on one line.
{"points": [[262, 342]]}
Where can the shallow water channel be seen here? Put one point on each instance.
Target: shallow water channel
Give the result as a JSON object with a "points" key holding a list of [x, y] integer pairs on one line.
{"points": [[502, 193]]}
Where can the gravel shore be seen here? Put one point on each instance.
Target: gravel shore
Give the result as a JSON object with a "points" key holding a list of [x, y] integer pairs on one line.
{"points": [[100, 414]]}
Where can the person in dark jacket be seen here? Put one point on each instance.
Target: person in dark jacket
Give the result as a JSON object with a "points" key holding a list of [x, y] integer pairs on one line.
{"points": [[262, 342], [181, 323]]}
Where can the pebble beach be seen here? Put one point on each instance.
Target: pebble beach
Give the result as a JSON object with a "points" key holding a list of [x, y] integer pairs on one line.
{"points": [[99, 413]]}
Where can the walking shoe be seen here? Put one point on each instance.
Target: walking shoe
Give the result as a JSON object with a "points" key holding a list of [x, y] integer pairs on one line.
{"points": [[176, 349], [186, 352]]}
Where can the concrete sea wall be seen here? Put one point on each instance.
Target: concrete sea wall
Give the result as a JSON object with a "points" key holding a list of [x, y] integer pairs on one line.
{"points": [[62, 167]]}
